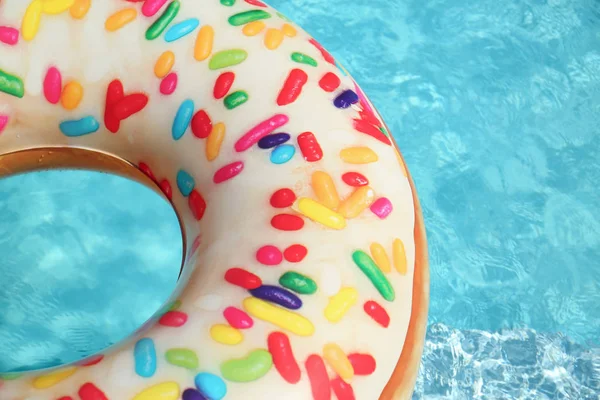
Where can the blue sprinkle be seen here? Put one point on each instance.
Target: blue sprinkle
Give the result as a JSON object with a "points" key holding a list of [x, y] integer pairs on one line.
{"points": [[211, 386], [273, 140], [144, 354], [185, 183], [277, 295], [183, 118], [181, 29], [346, 99], [79, 127], [192, 394], [282, 154]]}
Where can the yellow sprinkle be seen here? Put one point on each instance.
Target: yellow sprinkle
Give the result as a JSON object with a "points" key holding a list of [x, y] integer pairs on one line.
{"points": [[325, 190], [381, 258], [71, 95], [226, 334], [338, 360], [280, 317], [340, 303], [213, 143], [288, 30], [204, 43], [57, 6], [253, 28], [162, 391], [321, 214], [31, 20], [358, 155], [80, 8], [164, 64], [51, 379], [120, 19], [357, 202], [273, 38], [399, 255]]}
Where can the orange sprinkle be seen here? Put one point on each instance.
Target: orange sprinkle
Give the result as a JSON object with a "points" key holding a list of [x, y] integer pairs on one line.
{"points": [[325, 190], [253, 28], [164, 64], [273, 38], [214, 141], [80, 8], [120, 19], [399, 256], [357, 202], [204, 43], [71, 95], [358, 155], [381, 258], [338, 360], [288, 30]]}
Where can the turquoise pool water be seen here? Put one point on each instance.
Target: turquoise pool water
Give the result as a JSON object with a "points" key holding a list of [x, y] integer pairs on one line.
{"points": [[496, 106]]}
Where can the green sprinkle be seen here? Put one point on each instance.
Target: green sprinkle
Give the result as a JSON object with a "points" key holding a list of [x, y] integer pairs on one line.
{"points": [[304, 59], [372, 271], [254, 366], [227, 58], [11, 84], [176, 304], [163, 21], [384, 131], [185, 358], [235, 99], [11, 376], [248, 16], [228, 3], [283, 17], [298, 283]]}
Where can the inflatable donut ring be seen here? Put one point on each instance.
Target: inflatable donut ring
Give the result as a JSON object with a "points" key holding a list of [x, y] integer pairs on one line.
{"points": [[305, 271]]}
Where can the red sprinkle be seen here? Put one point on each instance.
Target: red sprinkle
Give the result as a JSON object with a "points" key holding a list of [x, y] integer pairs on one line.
{"points": [[168, 84], [283, 198], [146, 170], [256, 3], [229, 171], [223, 84], [317, 374], [92, 361], [368, 116], [377, 312], [283, 357], [114, 93], [355, 179], [201, 125], [371, 130], [174, 319], [363, 364], [238, 318], [328, 57], [329, 82], [53, 85], [129, 105], [9, 35], [197, 204], [242, 278], [292, 87], [310, 147], [195, 246], [269, 255], [287, 222], [295, 253], [342, 390], [165, 186], [90, 392], [66, 398]]}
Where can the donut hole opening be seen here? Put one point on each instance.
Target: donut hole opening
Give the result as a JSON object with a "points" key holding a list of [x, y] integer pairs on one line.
{"points": [[91, 251]]}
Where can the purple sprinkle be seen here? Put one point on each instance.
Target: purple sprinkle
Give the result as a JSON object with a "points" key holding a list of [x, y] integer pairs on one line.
{"points": [[273, 140], [346, 99], [382, 207], [192, 394], [277, 295]]}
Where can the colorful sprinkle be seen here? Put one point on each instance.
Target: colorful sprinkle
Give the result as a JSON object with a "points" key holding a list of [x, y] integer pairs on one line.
{"points": [[226, 334], [8, 35], [377, 312], [31, 20], [229, 171], [158, 27], [338, 361], [253, 28], [197, 205], [325, 190], [254, 366], [295, 253], [292, 87], [89, 391], [129, 105], [144, 355], [303, 59], [235, 99], [288, 30], [228, 3], [242, 278], [181, 29], [363, 364], [280, 317], [238, 318], [287, 222], [114, 94], [370, 269], [259, 131], [273, 140], [246, 17], [340, 303], [297, 282], [185, 183], [256, 3], [321, 214], [202, 125], [182, 118], [227, 58], [57, 6], [310, 147], [282, 198], [192, 394], [399, 256], [277, 295], [342, 390], [317, 375], [215, 140], [79, 127], [164, 64], [71, 95], [185, 358], [53, 85], [329, 82], [345, 99], [328, 57], [269, 255], [204, 43], [210, 386], [355, 179], [357, 202], [371, 130], [3, 122], [283, 357], [120, 19], [358, 155], [162, 391], [282, 154], [273, 38], [173, 319], [382, 207], [53, 378], [381, 258], [11, 84], [151, 7], [223, 84], [80, 8], [168, 84]]}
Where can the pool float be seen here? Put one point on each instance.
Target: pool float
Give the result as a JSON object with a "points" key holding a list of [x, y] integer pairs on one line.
{"points": [[305, 270]]}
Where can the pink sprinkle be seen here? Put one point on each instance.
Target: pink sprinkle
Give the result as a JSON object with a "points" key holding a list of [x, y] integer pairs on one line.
{"points": [[269, 255], [259, 131], [382, 207], [173, 319], [3, 122], [9, 35], [168, 84], [195, 246], [53, 85], [229, 171], [238, 318], [151, 7]]}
